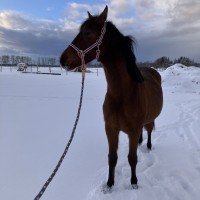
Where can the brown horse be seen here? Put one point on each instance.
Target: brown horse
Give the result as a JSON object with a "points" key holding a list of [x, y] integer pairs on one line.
{"points": [[134, 97]]}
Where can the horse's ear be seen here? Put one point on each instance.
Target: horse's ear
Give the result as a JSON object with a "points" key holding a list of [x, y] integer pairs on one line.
{"points": [[103, 16], [89, 15]]}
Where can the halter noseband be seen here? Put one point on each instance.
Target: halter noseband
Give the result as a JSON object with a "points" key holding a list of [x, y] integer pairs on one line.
{"points": [[81, 53]]}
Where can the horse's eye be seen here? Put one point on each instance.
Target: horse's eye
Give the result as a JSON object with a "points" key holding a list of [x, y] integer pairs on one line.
{"points": [[86, 33]]}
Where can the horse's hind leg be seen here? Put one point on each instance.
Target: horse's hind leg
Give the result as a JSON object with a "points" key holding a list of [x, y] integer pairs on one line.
{"points": [[149, 127], [113, 138], [141, 138]]}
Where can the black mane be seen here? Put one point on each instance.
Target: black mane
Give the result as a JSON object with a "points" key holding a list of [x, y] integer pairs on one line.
{"points": [[120, 45]]}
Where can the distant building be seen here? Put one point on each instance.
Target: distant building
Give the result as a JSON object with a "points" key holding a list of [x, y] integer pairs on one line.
{"points": [[21, 66]]}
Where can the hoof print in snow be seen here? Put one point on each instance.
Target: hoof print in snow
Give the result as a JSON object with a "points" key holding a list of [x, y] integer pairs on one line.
{"points": [[135, 186], [106, 189]]}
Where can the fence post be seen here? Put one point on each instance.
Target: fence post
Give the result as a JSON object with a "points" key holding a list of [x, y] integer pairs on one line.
{"points": [[97, 72], [49, 68]]}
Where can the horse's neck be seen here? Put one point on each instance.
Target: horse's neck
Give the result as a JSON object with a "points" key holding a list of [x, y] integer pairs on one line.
{"points": [[118, 79]]}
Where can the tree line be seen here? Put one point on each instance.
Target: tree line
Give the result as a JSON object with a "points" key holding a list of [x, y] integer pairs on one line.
{"points": [[13, 60], [164, 62]]}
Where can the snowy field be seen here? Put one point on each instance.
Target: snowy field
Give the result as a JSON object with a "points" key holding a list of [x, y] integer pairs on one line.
{"points": [[37, 114]]}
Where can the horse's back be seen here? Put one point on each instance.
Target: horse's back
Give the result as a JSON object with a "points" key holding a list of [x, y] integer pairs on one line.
{"points": [[151, 75]]}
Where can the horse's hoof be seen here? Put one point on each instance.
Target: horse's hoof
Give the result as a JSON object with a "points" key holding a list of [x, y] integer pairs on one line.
{"points": [[149, 146], [106, 189], [135, 186]]}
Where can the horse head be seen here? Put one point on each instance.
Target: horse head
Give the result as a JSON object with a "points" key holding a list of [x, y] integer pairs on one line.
{"points": [[85, 46]]}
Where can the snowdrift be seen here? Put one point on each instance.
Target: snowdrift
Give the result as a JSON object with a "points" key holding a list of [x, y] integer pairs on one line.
{"points": [[179, 78]]}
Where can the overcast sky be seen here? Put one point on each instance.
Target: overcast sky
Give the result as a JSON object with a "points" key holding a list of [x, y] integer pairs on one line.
{"points": [[45, 27]]}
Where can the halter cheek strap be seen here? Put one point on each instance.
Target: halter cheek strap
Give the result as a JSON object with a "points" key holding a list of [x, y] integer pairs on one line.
{"points": [[81, 53]]}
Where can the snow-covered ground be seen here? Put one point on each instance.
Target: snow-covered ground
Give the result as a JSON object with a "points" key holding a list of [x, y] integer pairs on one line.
{"points": [[37, 114]]}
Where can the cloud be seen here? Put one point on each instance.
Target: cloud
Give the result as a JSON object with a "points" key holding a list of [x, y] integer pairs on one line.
{"points": [[119, 7], [162, 28], [14, 20], [186, 15], [167, 28], [22, 34]]}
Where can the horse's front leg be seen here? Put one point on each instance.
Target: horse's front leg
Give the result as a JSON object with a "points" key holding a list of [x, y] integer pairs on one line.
{"points": [[132, 156], [113, 138]]}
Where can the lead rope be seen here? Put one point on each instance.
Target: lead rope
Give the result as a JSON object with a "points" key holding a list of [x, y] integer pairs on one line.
{"points": [[68, 144], [81, 55]]}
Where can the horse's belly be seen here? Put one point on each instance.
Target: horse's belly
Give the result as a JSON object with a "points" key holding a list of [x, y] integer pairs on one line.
{"points": [[154, 107]]}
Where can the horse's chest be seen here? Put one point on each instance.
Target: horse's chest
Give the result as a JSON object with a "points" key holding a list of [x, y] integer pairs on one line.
{"points": [[120, 116]]}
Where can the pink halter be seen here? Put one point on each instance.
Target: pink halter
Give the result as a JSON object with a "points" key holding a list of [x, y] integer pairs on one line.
{"points": [[81, 53]]}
